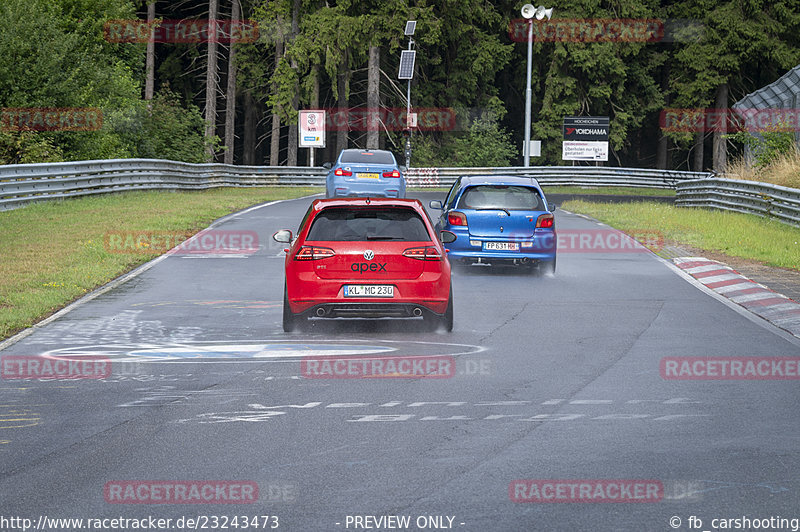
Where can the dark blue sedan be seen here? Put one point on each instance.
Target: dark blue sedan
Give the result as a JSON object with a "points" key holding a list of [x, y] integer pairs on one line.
{"points": [[365, 173], [499, 220]]}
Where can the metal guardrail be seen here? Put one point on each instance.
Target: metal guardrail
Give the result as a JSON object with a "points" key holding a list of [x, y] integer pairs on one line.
{"points": [[23, 183], [749, 197], [595, 176]]}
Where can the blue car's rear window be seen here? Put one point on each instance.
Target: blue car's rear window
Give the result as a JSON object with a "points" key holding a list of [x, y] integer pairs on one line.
{"points": [[374, 157], [379, 223], [509, 197]]}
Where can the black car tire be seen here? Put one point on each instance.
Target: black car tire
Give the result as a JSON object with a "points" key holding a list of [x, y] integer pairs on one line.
{"points": [[444, 321], [291, 321]]}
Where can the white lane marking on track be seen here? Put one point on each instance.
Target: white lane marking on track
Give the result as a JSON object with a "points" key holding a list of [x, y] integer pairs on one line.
{"points": [[216, 256], [257, 412], [264, 351]]}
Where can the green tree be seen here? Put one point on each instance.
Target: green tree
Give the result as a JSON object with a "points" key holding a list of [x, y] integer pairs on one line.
{"points": [[613, 78], [164, 129], [53, 55], [745, 44]]}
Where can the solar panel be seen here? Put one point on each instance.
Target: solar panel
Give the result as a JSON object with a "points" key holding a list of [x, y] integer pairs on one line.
{"points": [[407, 64], [411, 25]]}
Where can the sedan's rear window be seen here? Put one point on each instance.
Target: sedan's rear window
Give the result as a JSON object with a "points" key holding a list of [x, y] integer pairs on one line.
{"points": [[374, 157], [508, 197], [361, 224]]}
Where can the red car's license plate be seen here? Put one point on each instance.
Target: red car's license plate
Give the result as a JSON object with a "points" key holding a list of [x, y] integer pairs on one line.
{"points": [[368, 290]]}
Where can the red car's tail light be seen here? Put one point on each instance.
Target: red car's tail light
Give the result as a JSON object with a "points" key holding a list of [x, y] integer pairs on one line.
{"points": [[423, 253], [457, 218], [393, 173], [545, 221], [314, 253], [342, 172]]}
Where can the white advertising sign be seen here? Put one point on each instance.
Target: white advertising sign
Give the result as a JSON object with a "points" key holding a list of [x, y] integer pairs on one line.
{"points": [[584, 150], [311, 129]]}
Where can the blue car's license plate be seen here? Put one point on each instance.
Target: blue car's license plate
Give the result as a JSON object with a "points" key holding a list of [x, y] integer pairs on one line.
{"points": [[501, 246]]}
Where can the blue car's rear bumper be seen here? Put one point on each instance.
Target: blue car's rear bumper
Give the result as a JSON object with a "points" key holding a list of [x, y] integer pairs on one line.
{"points": [[542, 248], [396, 188]]}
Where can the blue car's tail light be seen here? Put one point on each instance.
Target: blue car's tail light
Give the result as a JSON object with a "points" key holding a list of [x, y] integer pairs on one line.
{"points": [[457, 218], [342, 172], [545, 221], [393, 173]]}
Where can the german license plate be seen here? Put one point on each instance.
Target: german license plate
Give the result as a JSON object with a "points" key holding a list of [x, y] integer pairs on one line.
{"points": [[501, 246], [368, 290], [369, 175]]}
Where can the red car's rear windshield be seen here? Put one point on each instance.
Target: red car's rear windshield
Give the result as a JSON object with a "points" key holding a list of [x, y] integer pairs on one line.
{"points": [[372, 223], [509, 197], [374, 157]]}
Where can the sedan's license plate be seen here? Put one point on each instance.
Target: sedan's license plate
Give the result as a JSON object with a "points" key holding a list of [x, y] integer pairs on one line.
{"points": [[368, 290], [501, 246], [370, 175]]}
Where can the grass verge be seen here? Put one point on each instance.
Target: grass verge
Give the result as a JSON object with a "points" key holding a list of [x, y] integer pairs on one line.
{"points": [[53, 252], [734, 234]]}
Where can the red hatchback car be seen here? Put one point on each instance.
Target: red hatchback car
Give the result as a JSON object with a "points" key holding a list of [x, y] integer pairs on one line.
{"points": [[364, 257]]}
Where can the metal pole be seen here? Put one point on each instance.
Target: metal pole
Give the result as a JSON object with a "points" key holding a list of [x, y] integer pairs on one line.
{"points": [[311, 157], [408, 113], [526, 149]]}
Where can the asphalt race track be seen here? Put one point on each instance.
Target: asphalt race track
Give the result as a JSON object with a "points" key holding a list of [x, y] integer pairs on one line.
{"points": [[555, 379]]}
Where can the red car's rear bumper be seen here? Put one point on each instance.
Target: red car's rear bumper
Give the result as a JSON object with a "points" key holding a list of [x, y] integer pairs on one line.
{"points": [[307, 292]]}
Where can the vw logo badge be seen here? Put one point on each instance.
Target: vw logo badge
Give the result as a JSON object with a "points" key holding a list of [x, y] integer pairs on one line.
{"points": [[369, 254]]}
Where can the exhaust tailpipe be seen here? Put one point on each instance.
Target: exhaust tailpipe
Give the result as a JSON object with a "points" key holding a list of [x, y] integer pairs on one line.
{"points": [[320, 312], [417, 312]]}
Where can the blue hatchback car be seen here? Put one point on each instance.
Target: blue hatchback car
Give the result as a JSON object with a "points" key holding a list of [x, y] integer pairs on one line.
{"points": [[365, 173], [499, 220]]}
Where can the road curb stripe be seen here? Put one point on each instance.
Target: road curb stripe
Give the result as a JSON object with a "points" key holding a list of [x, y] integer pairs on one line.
{"points": [[755, 298]]}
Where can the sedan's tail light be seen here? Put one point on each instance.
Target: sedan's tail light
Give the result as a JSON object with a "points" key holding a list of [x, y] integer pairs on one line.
{"points": [[314, 253], [457, 218], [342, 172], [545, 221], [423, 253], [393, 173]]}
